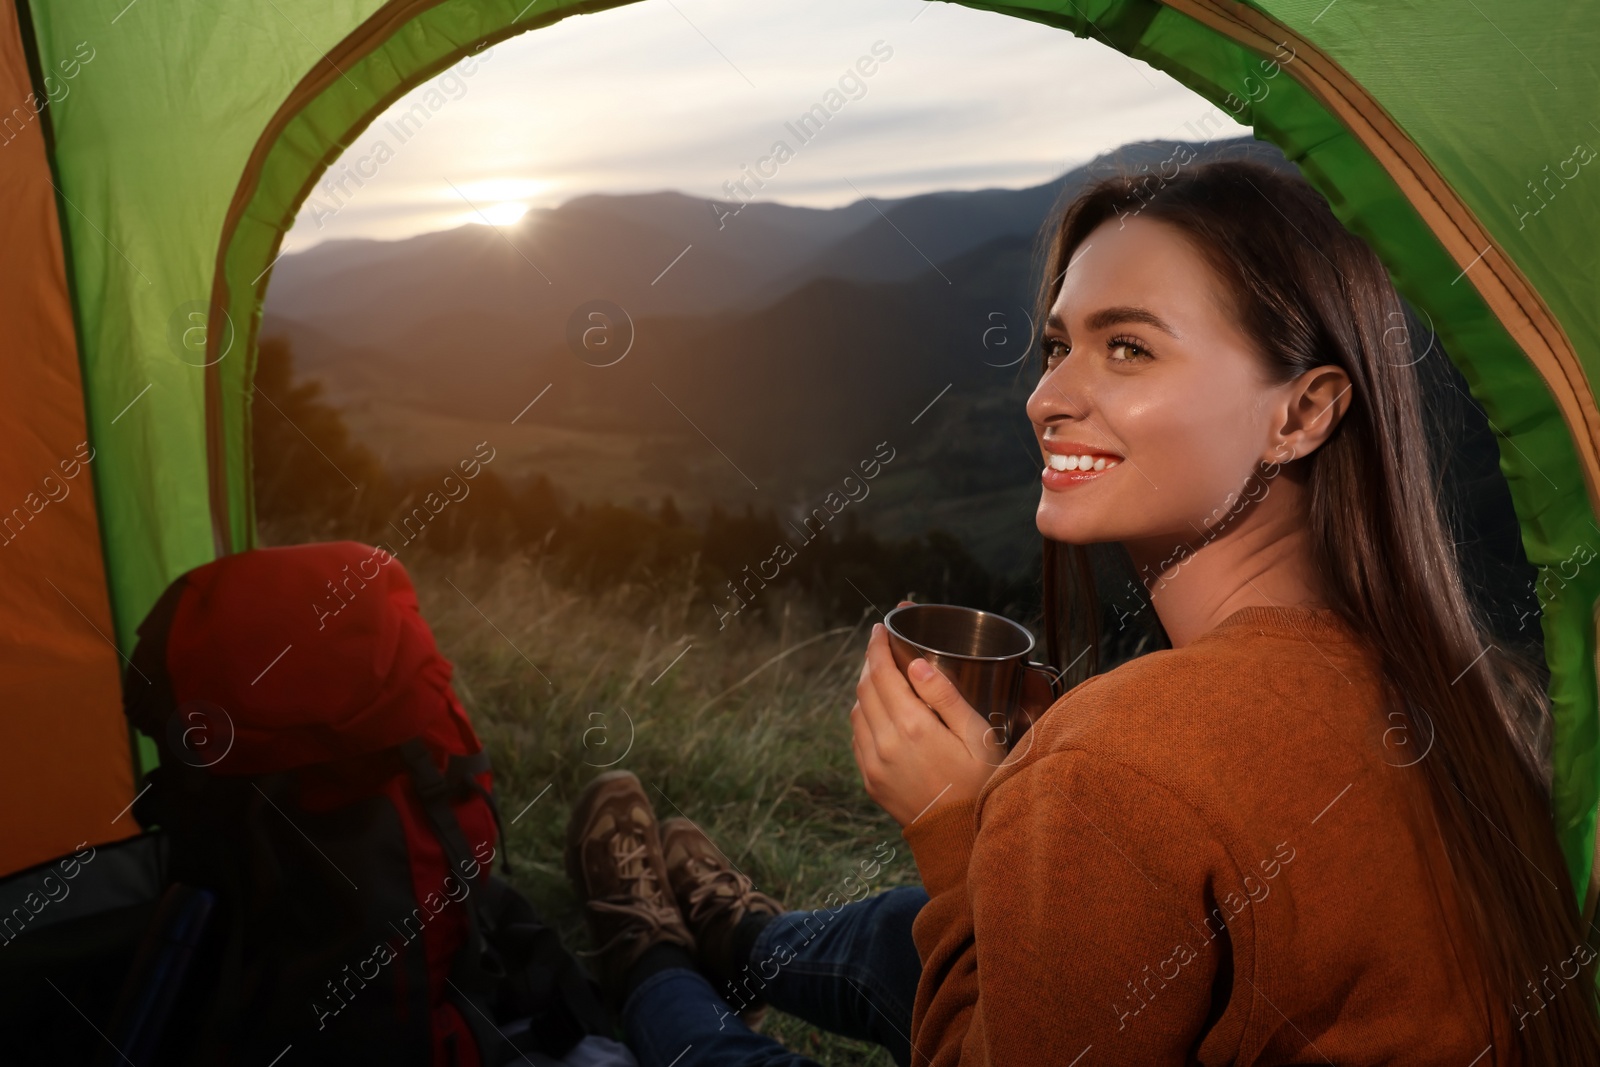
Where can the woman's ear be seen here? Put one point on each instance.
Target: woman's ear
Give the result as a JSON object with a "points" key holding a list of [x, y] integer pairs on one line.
{"points": [[1315, 402]]}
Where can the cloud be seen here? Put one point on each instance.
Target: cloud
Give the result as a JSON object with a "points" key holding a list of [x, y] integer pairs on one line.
{"points": [[654, 96]]}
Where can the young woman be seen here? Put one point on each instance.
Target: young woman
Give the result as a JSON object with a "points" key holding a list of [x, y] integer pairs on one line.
{"points": [[1314, 830]]}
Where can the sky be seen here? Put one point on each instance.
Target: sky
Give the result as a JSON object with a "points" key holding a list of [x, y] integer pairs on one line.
{"points": [[688, 94]]}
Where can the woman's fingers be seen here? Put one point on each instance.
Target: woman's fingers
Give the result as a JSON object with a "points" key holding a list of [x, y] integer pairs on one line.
{"points": [[901, 707], [907, 754], [941, 694], [865, 751], [875, 717], [908, 696]]}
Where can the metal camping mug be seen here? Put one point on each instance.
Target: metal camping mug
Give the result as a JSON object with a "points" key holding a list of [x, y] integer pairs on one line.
{"points": [[984, 654]]}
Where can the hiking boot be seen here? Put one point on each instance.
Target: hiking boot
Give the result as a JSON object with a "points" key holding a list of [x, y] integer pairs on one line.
{"points": [[714, 896], [613, 856]]}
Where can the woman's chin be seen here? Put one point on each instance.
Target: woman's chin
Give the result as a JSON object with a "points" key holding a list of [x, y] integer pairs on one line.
{"points": [[1066, 529]]}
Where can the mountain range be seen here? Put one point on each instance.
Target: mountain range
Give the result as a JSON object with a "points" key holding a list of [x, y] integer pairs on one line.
{"points": [[754, 359], [635, 346]]}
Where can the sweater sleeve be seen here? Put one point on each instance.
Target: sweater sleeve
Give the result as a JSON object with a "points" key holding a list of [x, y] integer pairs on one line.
{"points": [[1086, 927]]}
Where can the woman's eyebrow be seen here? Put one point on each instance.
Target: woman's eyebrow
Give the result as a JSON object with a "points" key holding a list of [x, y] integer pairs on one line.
{"points": [[1113, 316]]}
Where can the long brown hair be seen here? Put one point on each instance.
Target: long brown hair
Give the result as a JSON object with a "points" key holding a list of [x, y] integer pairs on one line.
{"points": [[1310, 293]]}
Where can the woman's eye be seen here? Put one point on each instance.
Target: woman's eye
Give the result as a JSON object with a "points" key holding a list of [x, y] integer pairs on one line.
{"points": [[1133, 351], [1054, 351]]}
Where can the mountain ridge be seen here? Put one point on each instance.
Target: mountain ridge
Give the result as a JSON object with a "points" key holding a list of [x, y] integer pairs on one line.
{"points": [[767, 353]]}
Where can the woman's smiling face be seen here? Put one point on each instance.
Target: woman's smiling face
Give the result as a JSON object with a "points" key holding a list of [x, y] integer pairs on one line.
{"points": [[1150, 376]]}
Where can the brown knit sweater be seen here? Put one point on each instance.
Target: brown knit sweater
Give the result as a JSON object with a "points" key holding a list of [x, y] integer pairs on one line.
{"points": [[1209, 855]]}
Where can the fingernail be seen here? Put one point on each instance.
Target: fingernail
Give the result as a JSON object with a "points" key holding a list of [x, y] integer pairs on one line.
{"points": [[876, 627], [921, 670]]}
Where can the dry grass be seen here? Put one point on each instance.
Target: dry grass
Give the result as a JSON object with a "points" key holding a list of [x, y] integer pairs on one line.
{"points": [[747, 733]]}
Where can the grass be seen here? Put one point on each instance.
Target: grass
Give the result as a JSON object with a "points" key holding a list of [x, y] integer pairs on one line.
{"points": [[745, 730]]}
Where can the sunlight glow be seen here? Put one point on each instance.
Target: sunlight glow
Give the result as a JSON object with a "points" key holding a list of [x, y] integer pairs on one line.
{"points": [[504, 213], [493, 190]]}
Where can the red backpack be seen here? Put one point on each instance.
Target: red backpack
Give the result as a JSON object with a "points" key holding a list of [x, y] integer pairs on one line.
{"points": [[320, 781]]}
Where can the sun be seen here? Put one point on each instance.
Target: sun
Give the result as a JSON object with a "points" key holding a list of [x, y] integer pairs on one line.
{"points": [[505, 213]]}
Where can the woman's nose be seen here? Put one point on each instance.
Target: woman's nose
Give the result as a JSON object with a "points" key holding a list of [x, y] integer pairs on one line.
{"points": [[1058, 396]]}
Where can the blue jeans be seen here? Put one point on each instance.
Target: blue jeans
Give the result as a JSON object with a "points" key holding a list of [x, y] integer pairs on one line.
{"points": [[852, 971]]}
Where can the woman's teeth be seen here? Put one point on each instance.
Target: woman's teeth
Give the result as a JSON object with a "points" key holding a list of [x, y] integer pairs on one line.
{"points": [[1081, 463]]}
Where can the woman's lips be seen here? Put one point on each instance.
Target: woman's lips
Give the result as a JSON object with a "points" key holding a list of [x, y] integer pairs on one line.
{"points": [[1080, 472]]}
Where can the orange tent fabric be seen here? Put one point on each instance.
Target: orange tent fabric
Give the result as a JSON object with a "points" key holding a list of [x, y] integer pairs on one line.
{"points": [[68, 774]]}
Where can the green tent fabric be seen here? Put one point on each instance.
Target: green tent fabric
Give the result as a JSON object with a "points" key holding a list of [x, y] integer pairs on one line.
{"points": [[1453, 136]]}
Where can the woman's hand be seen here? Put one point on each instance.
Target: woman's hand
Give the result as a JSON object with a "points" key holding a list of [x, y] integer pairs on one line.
{"points": [[917, 743]]}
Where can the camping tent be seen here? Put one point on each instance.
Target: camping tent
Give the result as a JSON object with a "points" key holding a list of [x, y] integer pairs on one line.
{"points": [[152, 157]]}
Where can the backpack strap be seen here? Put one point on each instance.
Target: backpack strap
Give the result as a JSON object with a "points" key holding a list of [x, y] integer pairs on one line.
{"points": [[476, 969], [462, 773], [434, 792], [475, 764], [511, 959]]}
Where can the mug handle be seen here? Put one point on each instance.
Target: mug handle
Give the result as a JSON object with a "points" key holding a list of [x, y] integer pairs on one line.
{"points": [[1041, 688]]}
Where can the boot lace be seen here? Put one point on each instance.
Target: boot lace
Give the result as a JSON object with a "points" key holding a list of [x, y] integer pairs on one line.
{"points": [[641, 897], [716, 887]]}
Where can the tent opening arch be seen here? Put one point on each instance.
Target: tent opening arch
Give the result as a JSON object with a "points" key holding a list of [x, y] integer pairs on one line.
{"points": [[1389, 177]]}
